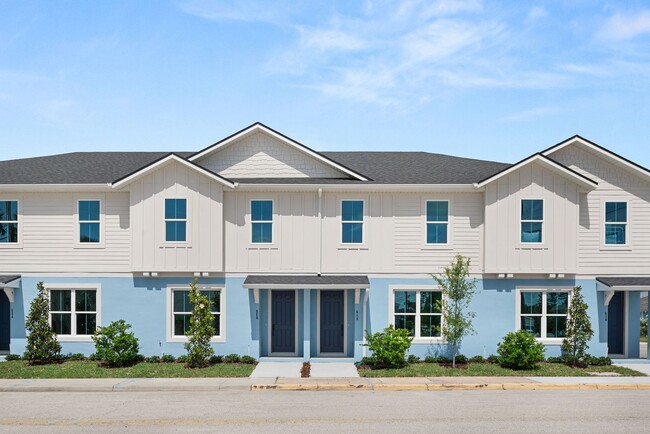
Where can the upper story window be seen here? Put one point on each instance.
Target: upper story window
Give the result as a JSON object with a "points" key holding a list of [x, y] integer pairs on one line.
{"points": [[615, 222], [176, 220], [437, 221], [418, 312], [532, 219], [262, 221], [352, 221], [89, 221], [182, 310], [8, 221], [73, 312], [544, 313]]}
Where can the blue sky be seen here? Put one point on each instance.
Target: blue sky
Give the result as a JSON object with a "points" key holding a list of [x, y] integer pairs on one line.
{"points": [[490, 80]]}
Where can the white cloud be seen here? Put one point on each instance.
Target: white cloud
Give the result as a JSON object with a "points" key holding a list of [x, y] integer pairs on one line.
{"points": [[536, 13], [622, 26], [329, 39], [241, 10], [531, 114]]}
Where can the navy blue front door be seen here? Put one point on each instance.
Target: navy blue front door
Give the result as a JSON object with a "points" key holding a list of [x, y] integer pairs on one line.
{"points": [[332, 318], [4, 321], [283, 321], [615, 318]]}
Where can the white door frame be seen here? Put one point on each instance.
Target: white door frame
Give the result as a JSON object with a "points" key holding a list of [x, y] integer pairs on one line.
{"points": [[270, 325], [345, 325]]}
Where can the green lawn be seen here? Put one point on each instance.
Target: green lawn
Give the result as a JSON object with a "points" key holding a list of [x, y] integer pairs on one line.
{"points": [[19, 369], [490, 370], [644, 339]]}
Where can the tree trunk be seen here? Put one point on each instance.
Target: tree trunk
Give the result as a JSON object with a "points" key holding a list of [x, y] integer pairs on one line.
{"points": [[453, 357]]}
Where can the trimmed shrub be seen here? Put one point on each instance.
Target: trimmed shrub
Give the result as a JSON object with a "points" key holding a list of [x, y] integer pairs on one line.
{"points": [[232, 358], [367, 361], [520, 350], [76, 356], [442, 359], [493, 358], [644, 327], [389, 347], [168, 358], [477, 359], [93, 357], [214, 360], [201, 329], [115, 345], [429, 359], [248, 360], [42, 345], [598, 361], [152, 359], [181, 359], [461, 359], [555, 360], [412, 358], [12, 357]]}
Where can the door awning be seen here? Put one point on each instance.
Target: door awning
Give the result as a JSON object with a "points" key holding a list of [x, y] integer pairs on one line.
{"points": [[624, 283], [8, 283], [283, 281]]}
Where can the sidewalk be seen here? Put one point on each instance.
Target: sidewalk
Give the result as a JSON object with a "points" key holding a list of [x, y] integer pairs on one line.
{"points": [[322, 384]]}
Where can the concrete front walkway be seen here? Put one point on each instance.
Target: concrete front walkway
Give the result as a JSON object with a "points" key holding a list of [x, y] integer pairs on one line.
{"points": [[266, 369]]}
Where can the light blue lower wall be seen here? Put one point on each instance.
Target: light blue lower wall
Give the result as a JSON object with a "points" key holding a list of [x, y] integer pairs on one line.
{"points": [[142, 302]]}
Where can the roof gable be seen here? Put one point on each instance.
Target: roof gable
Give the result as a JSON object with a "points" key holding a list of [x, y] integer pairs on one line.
{"points": [[329, 167]]}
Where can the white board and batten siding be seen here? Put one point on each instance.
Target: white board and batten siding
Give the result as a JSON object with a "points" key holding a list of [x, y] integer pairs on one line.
{"points": [[394, 234], [504, 251], [615, 184], [48, 235], [203, 251], [261, 153]]}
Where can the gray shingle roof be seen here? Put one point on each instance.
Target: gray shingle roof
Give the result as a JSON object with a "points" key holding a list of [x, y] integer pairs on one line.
{"points": [[306, 281], [625, 281], [380, 167], [8, 278]]}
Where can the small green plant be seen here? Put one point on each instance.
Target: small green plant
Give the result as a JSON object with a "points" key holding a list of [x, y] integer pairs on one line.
{"points": [[168, 358], [493, 358], [598, 361], [442, 359], [457, 293], [12, 357], [76, 356], [519, 350], [248, 360], [389, 347], [201, 329], [477, 359], [232, 358], [42, 345], [181, 359], [578, 330], [93, 357], [152, 359], [461, 359], [412, 358], [116, 345], [429, 359], [555, 360], [215, 360], [644, 327]]}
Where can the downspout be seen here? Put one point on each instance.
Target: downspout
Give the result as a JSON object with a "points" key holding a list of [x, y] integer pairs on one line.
{"points": [[320, 231]]}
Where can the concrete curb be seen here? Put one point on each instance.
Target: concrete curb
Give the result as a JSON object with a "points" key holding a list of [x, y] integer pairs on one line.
{"points": [[445, 387]]}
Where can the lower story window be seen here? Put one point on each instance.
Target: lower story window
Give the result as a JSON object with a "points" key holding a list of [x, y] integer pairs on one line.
{"points": [[182, 310], [418, 311], [73, 312], [544, 313]]}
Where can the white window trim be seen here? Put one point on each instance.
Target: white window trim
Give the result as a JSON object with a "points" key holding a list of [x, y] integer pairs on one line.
{"points": [[78, 243], [170, 312], [442, 246], [603, 238], [186, 220], [73, 287], [391, 311], [363, 223], [19, 244], [521, 205], [518, 314], [272, 221]]}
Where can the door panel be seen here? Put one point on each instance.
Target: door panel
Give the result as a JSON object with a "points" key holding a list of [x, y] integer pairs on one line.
{"points": [[615, 328], [283, 321], [332, 317], [4, 321]]}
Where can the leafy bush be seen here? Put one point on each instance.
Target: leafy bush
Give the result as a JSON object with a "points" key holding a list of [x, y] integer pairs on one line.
{"points": [[42, 345], [168, 358], [412, 358], [429, 359], [555, 360], [442, 359], [76, 356], [12, 357], [477, 359], [520, 350], [248, 360], [644, 327], [115, 345], [93, 357], [152, 359], [232, 358], [598, 361], [493, 358], [389, 347], [461, 359], [201, 329], [214, 360], [181, 359]]}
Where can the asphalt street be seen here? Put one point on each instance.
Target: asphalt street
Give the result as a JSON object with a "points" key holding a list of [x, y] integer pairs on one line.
{"points": [[593, 411]]}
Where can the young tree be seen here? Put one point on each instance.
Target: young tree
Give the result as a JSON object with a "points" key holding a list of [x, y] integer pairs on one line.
{"points": [[457, 293], [42, 345], [578, 329], [201, 329]]}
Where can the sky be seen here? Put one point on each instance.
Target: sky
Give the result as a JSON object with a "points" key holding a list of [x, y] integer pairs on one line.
{"points": [[495, 80]]}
